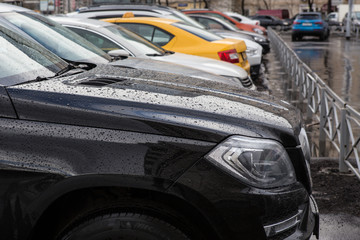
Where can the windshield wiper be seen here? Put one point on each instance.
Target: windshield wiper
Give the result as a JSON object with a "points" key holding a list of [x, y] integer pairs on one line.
{"points": [[154, 54], [65, 69], [81, 65]]}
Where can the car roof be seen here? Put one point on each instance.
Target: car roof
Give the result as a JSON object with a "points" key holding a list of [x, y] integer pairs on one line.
{"points": [[82, 22], [310, 13], [12, 8], [122, 7], [151, 19]]}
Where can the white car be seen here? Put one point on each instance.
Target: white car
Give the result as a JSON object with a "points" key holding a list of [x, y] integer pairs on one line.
{"points": [[110, 37], [240, 18], [224, 29]]}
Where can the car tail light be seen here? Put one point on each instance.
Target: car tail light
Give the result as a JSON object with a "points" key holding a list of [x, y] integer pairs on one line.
{"points": [[229, 56], [320, 22], [295, 23]]}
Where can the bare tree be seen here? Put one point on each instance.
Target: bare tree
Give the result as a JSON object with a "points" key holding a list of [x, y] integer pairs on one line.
{"points": [[329, 9], [266, 4], [243, 7], [207, 4], [311, 2]]}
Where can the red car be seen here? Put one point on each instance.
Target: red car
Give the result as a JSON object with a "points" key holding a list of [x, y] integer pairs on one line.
{"points": [[242, 26]]}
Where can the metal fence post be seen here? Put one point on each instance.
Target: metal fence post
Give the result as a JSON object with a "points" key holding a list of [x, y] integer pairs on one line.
{"points": [[309, 115], [322, 136], [344, 141]]}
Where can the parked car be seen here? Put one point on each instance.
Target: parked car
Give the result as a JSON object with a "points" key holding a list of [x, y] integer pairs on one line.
{"points": [[109, 37], [279, 13], [243, 26], [272, 21], [242, 19], [116, 152], [139, 10], [253, 50], [111, 11], [309, 24], [227, 30], [174, 35], [63, 41]]}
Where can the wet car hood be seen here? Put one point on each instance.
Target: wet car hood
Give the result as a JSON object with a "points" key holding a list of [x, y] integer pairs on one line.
{"points": [[172, 67], [155, 103]]}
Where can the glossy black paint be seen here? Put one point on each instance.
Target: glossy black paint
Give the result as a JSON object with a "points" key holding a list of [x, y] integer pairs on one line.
{"points": [[146, 131]]}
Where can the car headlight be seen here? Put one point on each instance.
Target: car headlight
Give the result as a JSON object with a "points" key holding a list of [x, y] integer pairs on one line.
{"points": [[259, 31], [251, 51], [261, 163], [257, 39]]}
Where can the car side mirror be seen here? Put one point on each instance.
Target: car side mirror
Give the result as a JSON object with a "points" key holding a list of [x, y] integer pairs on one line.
{"points": [[118, 54]]}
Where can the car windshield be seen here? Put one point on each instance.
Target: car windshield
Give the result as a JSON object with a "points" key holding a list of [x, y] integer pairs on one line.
{"points": [[22, 59], [230, 26], [206, 35], [136, 41], [183, 17], [58, 39], [308, 16]]}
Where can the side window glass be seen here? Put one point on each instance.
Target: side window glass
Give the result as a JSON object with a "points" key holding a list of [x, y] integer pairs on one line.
{"points": [[145, 31], [161, 38], [151, 33], [101, 42]]}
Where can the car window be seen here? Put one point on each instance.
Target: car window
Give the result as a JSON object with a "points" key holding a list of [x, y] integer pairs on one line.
{"points": [[138, 42], [185, 18], [309, 16], [151, 33], [209, 23], [237, 18], [101, 42], [201, 33], [23, 59], [56, 38]]}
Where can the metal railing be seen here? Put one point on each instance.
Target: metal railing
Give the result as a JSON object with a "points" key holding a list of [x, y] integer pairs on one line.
{"points": [[339, 123]]}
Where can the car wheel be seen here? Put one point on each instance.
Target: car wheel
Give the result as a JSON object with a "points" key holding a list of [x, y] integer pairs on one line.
{"points": [[293, 38], [123, 225]]}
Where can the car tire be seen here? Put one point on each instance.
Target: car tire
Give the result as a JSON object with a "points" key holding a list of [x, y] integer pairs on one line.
{"points": [[293, 38], [122, 225]]}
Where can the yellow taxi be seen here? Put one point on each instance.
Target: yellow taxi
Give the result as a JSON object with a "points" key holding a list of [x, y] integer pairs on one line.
{"points": [[174, 35]]}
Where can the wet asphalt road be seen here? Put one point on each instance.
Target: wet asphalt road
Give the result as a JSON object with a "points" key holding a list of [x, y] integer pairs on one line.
{"points": [[336, 61]]}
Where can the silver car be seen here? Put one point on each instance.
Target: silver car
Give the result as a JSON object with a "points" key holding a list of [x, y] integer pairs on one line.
{"points": [[110, 37]]}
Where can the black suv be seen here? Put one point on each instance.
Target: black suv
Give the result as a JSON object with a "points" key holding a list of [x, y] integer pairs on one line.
{"points": [[99, 152]]}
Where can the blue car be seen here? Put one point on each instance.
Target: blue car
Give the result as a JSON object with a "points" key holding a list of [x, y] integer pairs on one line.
{"points": [[310, 24]]}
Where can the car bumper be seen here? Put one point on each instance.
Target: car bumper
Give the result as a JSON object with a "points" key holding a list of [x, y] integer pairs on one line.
{"points": [[314, 32], [244, 65], [237, 211]]}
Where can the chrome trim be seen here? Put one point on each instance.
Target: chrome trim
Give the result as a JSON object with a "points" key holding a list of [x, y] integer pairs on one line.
{"points": [[282, 226]]}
